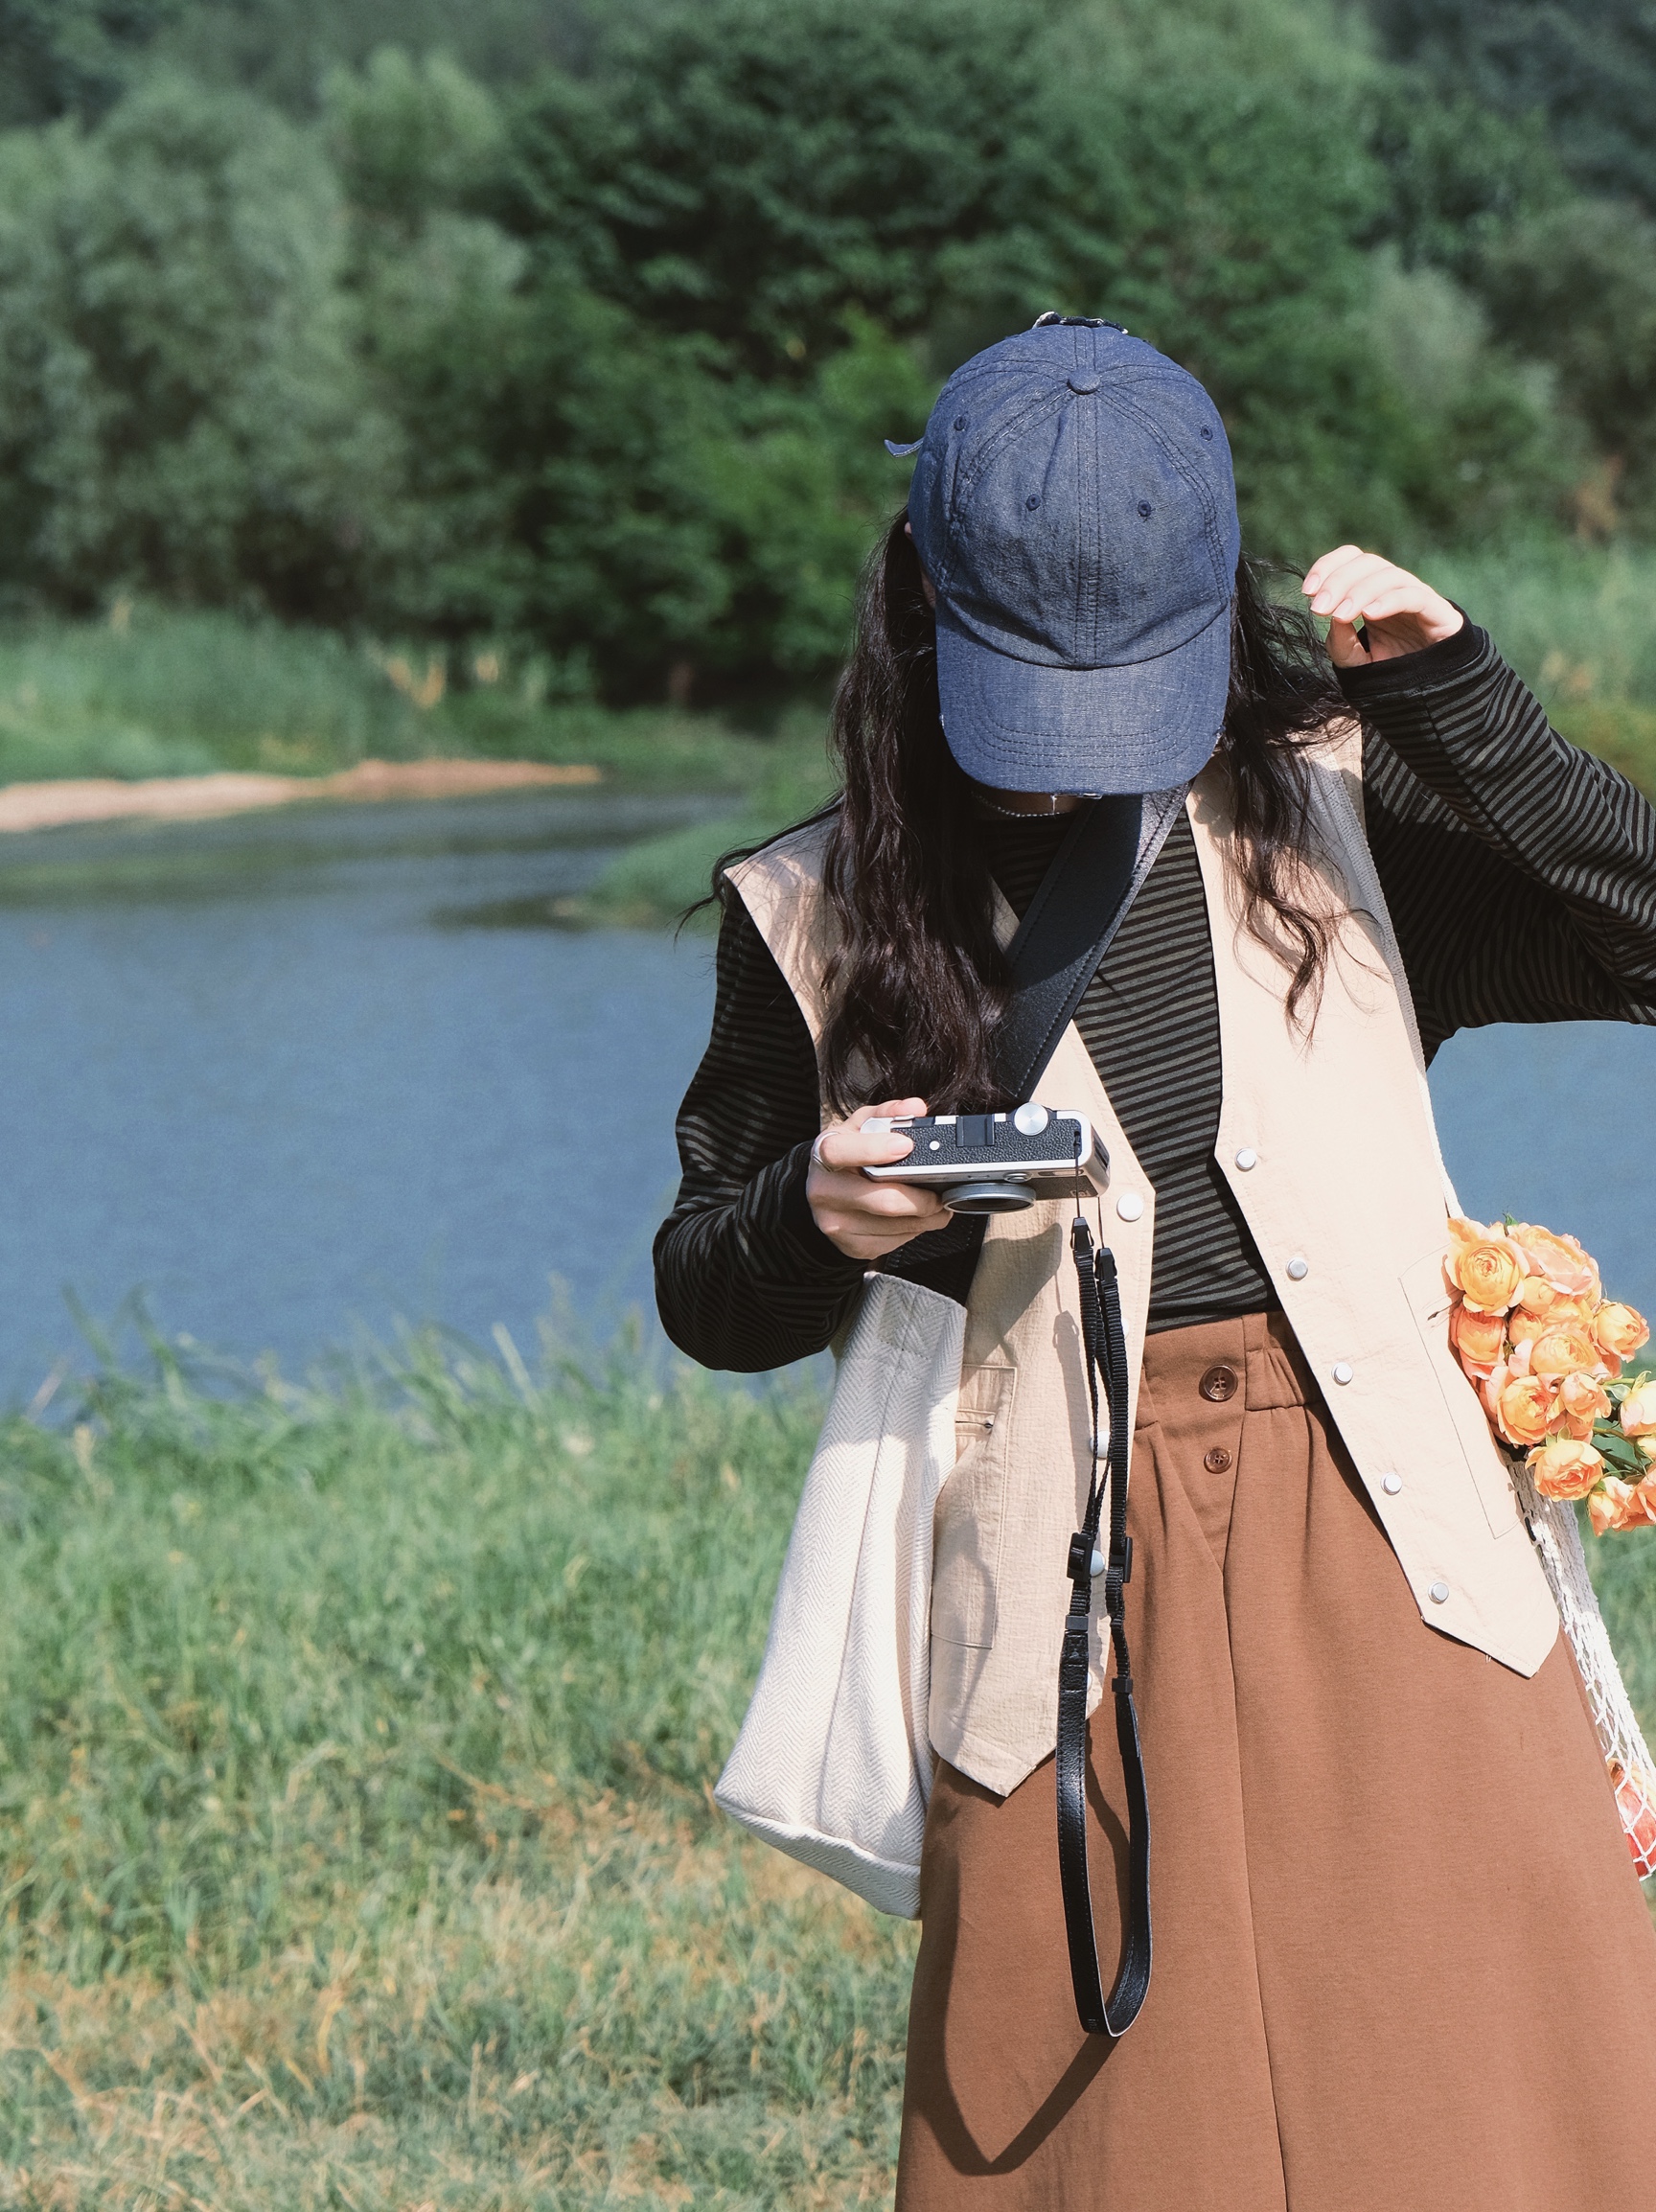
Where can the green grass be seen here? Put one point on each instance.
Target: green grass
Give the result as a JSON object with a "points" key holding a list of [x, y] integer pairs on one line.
{"points": [[162, 692], [354, 1838], [355, 1846], [656, 879], [1579, 622]]}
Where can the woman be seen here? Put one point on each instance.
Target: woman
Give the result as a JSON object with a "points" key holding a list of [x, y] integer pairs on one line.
{"points": [[1400, 1953]]}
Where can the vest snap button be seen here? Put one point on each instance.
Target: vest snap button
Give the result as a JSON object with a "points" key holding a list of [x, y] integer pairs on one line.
{"points": [[1438, 1593], [1342, 1372], [1390, 1484], [1218, 1384], [1247, 1158], [1130, 1206], [1217, 1459], [1297, 1270]]}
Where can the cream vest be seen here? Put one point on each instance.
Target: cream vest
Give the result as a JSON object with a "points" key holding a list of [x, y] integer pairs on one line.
{"points": [[1329, 1147]]}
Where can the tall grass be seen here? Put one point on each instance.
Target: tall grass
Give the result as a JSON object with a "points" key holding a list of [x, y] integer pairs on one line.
{"points": [[153, 692], [1579, 622], [355, 1846], [355, 1837]]}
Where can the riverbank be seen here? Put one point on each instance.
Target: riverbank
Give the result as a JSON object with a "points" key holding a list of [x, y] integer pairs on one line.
{"points": [[151, 696], [354, 1754], [54, 805]]}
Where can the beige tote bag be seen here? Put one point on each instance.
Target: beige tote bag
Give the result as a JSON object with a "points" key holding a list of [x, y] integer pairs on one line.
{"points": [[833, 1764]]}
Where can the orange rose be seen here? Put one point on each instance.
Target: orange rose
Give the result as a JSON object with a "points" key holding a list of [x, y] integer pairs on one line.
{"points": [[1520, 1405], [1565, 1467], [1604, 1504], [1479, 1339], [1558, 1260], [1582, 1400], [1484, 1266], [1639, 1410], [1535, 1294], [1620, 1331], [1568, 1349], [1638, 1512], [1525, 1326]]}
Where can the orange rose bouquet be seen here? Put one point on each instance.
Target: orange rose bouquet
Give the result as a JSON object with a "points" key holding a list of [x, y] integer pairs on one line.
{"points": [[1545, 1348]]}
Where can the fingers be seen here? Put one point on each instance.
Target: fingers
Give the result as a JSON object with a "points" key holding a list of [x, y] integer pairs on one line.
{"points": [[1351, 586], [1344, 579], [1318, 572], [1400, 613], [863, 1219], [844, 1146]]}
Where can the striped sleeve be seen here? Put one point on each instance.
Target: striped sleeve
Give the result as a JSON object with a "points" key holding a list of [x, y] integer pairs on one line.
{"points": [[745, 1279], [1520, 872]]}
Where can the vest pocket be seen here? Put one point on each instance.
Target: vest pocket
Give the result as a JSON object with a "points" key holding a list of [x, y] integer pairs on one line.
{"points": [[971, 1509]]}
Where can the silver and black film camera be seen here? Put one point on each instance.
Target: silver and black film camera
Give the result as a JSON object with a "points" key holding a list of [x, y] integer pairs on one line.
{"points": [[997, 1163]]}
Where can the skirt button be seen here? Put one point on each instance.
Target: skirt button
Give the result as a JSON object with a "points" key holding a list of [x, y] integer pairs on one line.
{"points": [[1217, 1459], [1218, 1384]]}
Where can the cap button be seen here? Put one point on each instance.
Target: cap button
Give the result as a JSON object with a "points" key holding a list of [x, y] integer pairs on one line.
{"points": [[1081, 383]]}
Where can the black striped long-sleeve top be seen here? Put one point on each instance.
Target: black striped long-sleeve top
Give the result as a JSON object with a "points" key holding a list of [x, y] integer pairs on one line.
{"points": [[1521, 876]]}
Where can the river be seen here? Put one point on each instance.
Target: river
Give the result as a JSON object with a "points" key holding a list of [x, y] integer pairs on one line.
{"points": [[298, 1078]]}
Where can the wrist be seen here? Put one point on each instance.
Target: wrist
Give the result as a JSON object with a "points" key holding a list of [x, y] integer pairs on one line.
{"points": [[1443, 662]]}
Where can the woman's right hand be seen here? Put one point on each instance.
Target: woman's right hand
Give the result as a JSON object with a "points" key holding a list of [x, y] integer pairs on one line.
{"points": [[867, 1219]]}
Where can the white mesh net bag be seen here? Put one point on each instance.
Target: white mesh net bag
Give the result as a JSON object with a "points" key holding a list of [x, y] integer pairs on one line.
{"points": [[1557, 1537]]}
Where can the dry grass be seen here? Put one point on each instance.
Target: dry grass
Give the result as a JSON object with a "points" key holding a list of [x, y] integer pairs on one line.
{"points": [[562, 2032], [355, 1846]]}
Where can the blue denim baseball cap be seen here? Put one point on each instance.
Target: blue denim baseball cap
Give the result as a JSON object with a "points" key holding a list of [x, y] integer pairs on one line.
{"points": [[1074, 506]]}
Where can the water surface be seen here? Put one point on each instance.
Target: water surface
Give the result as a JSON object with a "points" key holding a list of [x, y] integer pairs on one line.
{"points": [[291, 1077], [299, 1076]]}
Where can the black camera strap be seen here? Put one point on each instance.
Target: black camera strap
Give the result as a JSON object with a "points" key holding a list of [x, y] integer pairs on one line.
{"points": [[1065, 933], [1104, 1342]]}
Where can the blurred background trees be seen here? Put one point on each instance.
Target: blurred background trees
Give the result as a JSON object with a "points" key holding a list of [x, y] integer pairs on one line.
{"points": [[582, 327]]}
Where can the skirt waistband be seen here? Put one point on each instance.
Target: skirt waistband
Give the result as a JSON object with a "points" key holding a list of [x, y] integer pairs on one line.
{"points": [[1254, 1357]]}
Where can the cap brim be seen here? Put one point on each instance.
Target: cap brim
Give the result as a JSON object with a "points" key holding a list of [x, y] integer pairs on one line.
{"points": [[1020, 726]]}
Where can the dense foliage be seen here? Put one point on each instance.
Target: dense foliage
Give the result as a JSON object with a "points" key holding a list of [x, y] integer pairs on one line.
{"points": [[583, 332]]}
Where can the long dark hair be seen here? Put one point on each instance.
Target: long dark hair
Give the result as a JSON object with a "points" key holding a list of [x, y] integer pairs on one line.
{"points": [[917, 983]]}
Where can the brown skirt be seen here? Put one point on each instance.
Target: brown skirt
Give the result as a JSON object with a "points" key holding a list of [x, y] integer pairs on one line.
{"points": [[1401, 1956]]}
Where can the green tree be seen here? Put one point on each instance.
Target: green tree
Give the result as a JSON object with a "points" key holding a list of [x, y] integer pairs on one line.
{"points": [[1577, 287], [1587, 66], [181, 401], [71, 57], [946, 168]]}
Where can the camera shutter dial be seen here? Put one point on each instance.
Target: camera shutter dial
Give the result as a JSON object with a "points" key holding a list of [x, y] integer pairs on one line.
{"points": [[1030, 1120]]}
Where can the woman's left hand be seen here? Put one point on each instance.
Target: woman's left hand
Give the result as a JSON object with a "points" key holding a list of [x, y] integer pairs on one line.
{"points": [[1399, 613]]}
